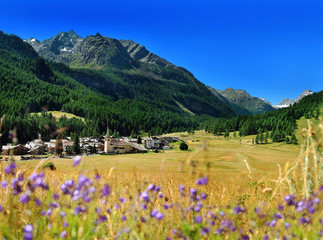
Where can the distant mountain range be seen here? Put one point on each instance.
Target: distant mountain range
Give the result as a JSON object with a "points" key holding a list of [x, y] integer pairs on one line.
{"points": [[127, 61], [243, 103], [126, 69], [287, 102]]}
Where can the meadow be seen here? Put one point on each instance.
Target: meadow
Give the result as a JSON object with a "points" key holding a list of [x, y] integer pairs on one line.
{"points": [[219, 189]]}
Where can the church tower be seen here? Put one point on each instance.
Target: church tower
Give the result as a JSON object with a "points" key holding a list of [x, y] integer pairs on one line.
{"points": [[107, 141]]}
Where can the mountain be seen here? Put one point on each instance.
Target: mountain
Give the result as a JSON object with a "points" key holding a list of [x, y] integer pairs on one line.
{"points": [[127, 95], [304, 94], [140, 53], [125, 69], [242, 102], [287, 102], [58, 48]]}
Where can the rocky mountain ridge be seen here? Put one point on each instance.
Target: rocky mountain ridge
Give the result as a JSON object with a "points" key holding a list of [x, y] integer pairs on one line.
{"points": [[286, 102], [125, 69], [246, 103]]}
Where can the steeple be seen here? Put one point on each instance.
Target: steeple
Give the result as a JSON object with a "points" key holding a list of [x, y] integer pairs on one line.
{"points": [[107, 141]]}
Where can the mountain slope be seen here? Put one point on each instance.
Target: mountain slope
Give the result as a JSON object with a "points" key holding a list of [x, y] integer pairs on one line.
{"points": [[134, 73], [243, 102], [287, 102]]}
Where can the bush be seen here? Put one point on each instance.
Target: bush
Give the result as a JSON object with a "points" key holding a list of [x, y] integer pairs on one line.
{"points": [[183, 146], [49, 165]]}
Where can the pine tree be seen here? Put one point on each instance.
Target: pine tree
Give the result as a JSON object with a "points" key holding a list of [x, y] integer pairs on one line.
{"points": [[287, 140], [266, 136], [76, 144], [294, 139], [139, 140], [59, 144]]}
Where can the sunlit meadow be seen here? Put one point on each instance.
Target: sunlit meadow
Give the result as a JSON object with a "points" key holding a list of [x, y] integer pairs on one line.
{"points": [[201, 194]]}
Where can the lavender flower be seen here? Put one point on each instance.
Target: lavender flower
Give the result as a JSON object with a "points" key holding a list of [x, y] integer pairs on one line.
{"points": [[202, 181], [28, 236], [76, 161], [198, 219], [4, 184], [153, 213], [106, 190], [159, 216], [63, 234], [145, 196], [24, 198]]}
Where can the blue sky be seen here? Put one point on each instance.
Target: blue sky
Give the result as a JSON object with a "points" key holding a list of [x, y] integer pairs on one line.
{"points": [[271, 49]]}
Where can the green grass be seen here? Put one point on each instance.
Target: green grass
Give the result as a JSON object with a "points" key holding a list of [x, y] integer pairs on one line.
{"points": [[59, 114]]}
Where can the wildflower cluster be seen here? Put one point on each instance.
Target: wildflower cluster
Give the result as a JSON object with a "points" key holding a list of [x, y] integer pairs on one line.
{"points": [[92, 209]]}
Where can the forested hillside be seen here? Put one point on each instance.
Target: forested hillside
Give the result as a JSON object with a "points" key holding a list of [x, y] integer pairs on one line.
{"points": [[281, 123], [30, 84], [123, 69]]}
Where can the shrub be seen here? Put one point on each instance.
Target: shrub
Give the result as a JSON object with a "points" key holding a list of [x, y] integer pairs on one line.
{"points": [[49, 165], [183, 146]]}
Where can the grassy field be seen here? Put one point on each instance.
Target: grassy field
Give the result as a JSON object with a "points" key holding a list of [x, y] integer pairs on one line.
{"points": [[58, 114], [137, 196], [222, 160]]}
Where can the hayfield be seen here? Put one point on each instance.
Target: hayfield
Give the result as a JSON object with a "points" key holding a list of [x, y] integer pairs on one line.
{"points": [[220, 189]]}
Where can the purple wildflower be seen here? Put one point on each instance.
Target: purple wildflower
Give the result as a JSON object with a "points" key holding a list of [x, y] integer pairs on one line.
{"points": [[63, 234], [24, 198], [181, 188], [4, 184], [153, 213], [203, 196], [76, 161], [289, 199], [38, 202], [202, 181], [205, 231], [198, 219], [28, 236], [304, 220], [159, 216], [238, 209], [287, 224], [28, 228], [122, 200], [145, 196], [106, 190], [1, 208], [65, 224], [123, 218], [151, 187], [103, 218]]}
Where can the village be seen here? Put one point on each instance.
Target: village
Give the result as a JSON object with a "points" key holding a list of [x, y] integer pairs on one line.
{"points": [[105, 145]]}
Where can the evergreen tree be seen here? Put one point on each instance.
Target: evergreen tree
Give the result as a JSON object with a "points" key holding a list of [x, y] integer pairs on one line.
{"points": [[76, 144], [139, 140], [59, 144], [287, 140], [183, 146], [294, 139], [266, 136]]}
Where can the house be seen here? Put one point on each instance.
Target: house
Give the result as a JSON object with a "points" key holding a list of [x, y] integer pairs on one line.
{"points": [[15, 150], [167, 147], [37, 150], [139, 148], [37, 147], [50, 146], [153, 143], [68, 146]]}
